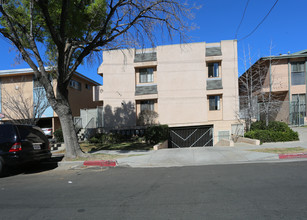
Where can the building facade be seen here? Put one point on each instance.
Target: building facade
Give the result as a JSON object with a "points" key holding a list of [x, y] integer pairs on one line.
{"points": [[21, 82], [284, 78], [193, 88]]}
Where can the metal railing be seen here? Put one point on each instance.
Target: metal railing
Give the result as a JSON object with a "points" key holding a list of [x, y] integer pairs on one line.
{"points": [[78, 124]]}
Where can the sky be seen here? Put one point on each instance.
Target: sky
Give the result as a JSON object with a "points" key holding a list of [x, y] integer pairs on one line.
{"points": [[284, 30]]}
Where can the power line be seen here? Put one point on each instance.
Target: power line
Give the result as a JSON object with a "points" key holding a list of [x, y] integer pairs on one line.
{"points": [[241, 19], [260, 22]]}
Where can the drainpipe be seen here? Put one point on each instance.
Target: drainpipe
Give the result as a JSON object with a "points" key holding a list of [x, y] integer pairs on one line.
{"points": [[289, 91]]}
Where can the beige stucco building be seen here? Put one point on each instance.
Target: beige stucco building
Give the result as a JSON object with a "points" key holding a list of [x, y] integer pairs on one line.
{"points": [[21, 82], [193, 88], [283, 76]]}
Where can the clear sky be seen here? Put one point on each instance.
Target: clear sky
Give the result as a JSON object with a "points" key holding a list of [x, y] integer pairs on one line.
{"points": [[284, 28]]}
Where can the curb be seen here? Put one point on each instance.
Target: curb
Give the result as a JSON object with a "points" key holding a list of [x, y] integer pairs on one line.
{"points": [[291, 156], [101, 163]]}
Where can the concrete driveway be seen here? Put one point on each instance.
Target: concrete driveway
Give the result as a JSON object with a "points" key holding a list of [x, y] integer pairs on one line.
{"points": [[211, 155]]}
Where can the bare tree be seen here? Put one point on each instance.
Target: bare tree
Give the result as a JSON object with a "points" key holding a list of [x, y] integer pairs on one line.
{"points": [[73, 30], [22, 109], [147, 117], [257, 98]]}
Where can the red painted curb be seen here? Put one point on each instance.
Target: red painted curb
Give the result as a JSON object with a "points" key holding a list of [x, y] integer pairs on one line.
{"points": [[290, 156], [100, 163]]}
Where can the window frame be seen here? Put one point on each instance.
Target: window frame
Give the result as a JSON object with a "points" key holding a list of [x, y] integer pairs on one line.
{"points": [[298, 70], [75, 84], [217, 102], [214, 69], [144, 73], [145, 103]]}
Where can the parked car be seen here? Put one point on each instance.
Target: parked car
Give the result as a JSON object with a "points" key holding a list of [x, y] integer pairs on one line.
{"points": [[47, 132], [22, 144]]}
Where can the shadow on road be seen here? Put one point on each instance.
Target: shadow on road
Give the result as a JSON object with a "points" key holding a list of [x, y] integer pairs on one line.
{"points": [[32, 168]]}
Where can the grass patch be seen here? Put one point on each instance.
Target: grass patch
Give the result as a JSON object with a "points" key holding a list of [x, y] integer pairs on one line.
{"points": [[90, 148], [101, 157], [124, 146], [281, 150]]}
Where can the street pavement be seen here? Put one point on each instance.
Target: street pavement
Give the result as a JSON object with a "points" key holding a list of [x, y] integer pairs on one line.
{"points": [[177, 157], [246, 191]]}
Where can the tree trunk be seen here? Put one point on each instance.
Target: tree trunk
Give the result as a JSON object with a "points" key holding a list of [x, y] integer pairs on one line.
{"points": [[267, 116], [72, 146]]}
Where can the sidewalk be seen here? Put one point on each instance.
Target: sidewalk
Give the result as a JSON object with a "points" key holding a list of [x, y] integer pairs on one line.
{"points": [[178, 157]]}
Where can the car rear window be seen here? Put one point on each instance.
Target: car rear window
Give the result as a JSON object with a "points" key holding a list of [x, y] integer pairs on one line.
{"points": [[32, 134], [7, 133]]}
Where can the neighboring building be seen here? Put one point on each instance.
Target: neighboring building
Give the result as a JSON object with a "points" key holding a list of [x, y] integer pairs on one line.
{"points": [[80, 93], [193, 88], [285, 78]]}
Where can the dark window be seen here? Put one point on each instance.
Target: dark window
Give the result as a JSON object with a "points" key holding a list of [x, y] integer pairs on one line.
{"points": [[7, 133], [213, 70], [148, 105], [298, 73], [75, 84], [87, 86], [146, 75], [31, 134], [214, 102]]}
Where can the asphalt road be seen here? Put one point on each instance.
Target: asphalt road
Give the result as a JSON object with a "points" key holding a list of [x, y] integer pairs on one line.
{"points": [[246, 191]]}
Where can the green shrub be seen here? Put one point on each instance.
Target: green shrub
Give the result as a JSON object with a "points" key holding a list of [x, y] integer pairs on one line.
{"points": [[273, 136], [156, 134], [94, 140], [273, 126], [278, 126], [258, 125], [107, 138], [58, 134]]}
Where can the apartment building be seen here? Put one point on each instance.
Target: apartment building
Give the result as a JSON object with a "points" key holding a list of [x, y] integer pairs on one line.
{"points": [[21, 82], [284, 78], [193, 88]]}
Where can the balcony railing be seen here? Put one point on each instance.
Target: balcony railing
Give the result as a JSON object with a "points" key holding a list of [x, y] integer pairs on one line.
{"points": [[145, 57], [214, 83]]}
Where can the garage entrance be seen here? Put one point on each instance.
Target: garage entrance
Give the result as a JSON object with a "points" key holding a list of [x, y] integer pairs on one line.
{"points": [[196, 136]]}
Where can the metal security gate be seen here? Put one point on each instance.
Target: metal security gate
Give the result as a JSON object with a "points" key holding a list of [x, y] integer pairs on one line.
{"points": [[196, 136], [297, 113]]}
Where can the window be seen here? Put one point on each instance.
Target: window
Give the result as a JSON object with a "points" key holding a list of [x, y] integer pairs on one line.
{"points": [[146, 75], [298, 73], [214, 102], [87, 86], [74, 84], [147, 105], [213, 70]]}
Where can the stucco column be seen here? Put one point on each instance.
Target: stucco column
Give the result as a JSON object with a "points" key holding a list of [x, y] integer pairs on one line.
{"points": [[289, 91], [306, 84]]}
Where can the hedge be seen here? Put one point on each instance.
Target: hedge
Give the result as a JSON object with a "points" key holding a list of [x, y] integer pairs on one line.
{"points": [[58, 134], [156, 134], [274, 132], [273, 126]]}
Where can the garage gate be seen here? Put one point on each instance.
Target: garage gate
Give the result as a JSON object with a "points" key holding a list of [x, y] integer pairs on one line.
{"points": [[196, 136]]}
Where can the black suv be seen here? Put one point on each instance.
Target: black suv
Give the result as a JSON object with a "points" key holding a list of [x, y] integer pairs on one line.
{"points": [[22, 143]]}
